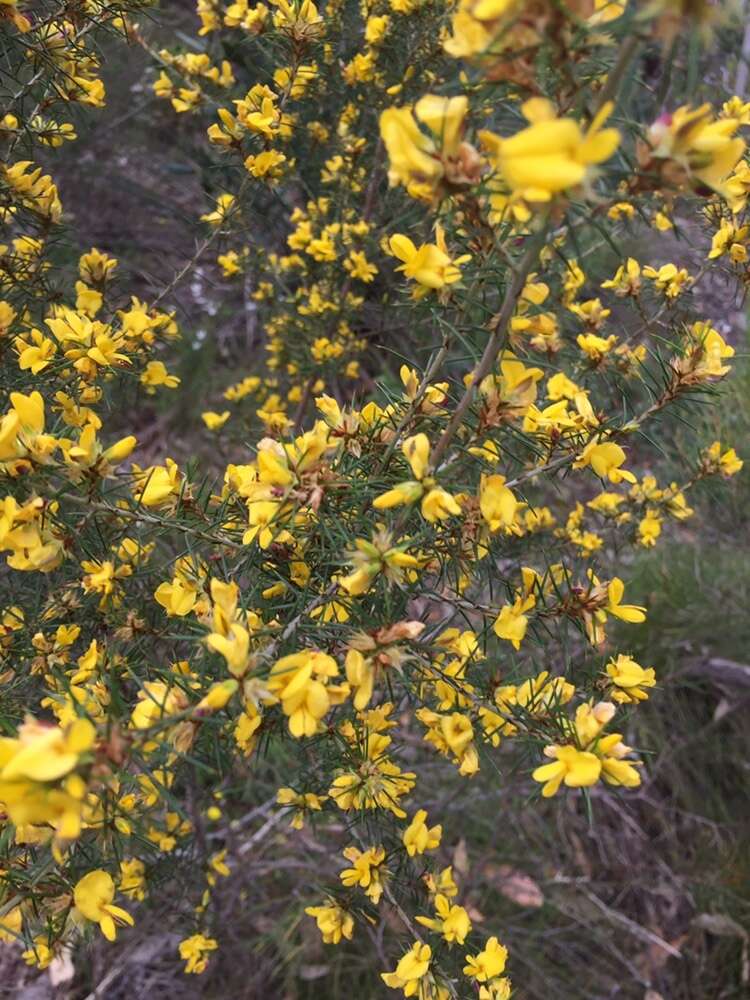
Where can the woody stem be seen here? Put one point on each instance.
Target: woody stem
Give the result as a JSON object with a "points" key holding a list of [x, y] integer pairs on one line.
{"points": [[495, 344]]}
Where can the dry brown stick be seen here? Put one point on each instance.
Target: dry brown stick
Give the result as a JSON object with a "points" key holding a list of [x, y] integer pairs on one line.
{"points": [[149, 518]]}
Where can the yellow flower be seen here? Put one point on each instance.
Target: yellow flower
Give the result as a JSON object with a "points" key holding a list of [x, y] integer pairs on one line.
{"points": [[411, 969], [577, 768], [737, 187], [40, 955], [724, 462], [729, 239], [96, 267], [442, 883], [265, 164], [512, 621], [224, 207], [492, 35], [437, 504], [593, 346], [649, 529], [365, 871], [37, 355], [630, 679], [615, 770], [411, 152], [429, 265], [11, 924], [378, 784], [457, 733], [177, 598], [702, 149], [669, 279], [422, 161], [234, 646], [132, 878], [376, 28], [8, 9], [372, 558], [705, 355], [88, 452], [195, 952], [497, 503], [360, 673], [489, 963], [299, 681], [219, 695], [359, 267], [231, 264], [590, 720], [302, 803], [261, 516], [45, 753], [416, 450], [246, 730], [605, 459], [627, 612], [539, 695], [495, 989], [552, 154], [626, 280], [333, 922], [450, 921], [158, 484], [93, 896], [156, 700], [215, 421], [418, 837]]}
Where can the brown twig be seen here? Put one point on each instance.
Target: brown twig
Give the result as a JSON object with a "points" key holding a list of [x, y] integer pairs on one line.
{"points": [[494, 344]]}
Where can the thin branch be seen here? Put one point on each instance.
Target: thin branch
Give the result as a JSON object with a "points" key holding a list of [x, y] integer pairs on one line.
{"points": [[494, 344], [432, 369]]}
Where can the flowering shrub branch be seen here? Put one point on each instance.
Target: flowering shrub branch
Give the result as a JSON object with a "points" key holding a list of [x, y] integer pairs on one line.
{"points": [[436, 555]]}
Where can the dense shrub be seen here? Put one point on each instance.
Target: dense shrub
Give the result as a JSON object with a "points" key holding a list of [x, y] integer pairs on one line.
{"points": [[437, 465]]}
